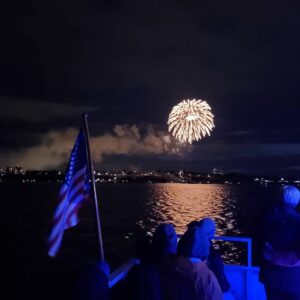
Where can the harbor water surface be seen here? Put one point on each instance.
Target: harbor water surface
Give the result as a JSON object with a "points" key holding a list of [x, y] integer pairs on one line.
{"points": [[127, 210]]}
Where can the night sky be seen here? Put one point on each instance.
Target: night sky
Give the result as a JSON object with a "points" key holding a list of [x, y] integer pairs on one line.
{"points": [[127, 63]]}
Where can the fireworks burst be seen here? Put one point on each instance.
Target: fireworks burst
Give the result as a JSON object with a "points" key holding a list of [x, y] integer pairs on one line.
{"points": [[191, 120]]}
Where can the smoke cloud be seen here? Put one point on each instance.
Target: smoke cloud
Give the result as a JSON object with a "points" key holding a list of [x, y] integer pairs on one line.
{"points": [[55, 147]]}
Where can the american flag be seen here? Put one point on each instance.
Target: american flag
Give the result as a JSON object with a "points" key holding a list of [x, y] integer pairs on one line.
{"points": [[73, 192]]}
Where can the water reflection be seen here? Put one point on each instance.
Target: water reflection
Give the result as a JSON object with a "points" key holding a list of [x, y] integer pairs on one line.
{"points": [[124, 210], [182, 203], [179, 204]]}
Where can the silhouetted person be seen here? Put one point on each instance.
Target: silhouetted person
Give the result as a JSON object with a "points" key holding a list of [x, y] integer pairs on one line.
{"points": [[188, 277], [215, 261], [193, 224], [143, 281], [164, 241], [281, 244]]}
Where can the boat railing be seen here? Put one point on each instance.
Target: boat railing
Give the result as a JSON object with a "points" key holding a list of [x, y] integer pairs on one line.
{"points": [[246, 240], [235, 239], [122, 271]]}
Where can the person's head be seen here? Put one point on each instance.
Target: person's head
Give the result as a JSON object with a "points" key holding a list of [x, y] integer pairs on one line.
{"points": [[165, 239], [193, 224], [290, 195], [194, 243], [208, 226]]}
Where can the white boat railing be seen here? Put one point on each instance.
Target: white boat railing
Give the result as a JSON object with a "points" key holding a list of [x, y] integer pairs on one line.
{"points": [[243, 279], [122, 272], [239, 240], [235, 239]]}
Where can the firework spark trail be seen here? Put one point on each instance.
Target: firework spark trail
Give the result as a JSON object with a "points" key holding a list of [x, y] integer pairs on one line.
{"points": [[191, 120]]}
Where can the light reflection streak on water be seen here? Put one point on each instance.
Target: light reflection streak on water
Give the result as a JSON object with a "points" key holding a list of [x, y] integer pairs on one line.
{"points": [[179, 204]]}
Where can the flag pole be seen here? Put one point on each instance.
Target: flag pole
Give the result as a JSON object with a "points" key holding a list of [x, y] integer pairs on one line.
{"points": [[94, 194]]}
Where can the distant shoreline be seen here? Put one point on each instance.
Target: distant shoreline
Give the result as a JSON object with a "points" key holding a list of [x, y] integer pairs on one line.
{"points": [[125, 177]]}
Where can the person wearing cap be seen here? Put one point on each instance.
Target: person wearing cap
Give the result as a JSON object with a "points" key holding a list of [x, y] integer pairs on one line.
{"points": [[280, 269], [215, 261], [189, 277]]}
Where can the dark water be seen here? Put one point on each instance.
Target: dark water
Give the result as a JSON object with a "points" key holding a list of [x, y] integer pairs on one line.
{"points": [[126, 210]]}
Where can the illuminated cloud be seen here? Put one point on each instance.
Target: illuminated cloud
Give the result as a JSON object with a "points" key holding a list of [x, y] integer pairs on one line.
{"points": [[55, 146]]}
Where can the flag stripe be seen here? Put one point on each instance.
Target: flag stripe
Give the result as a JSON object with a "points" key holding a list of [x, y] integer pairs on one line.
{"points": [[73, 192], [79, 188], [74, 207], [64, 190], [60, 220]]}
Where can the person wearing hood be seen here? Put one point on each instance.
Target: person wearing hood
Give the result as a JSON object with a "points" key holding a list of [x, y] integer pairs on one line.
{"points": [[280, 269], [144, 279], [189, 277], [215, 261], [164, 242], [282, 224]]}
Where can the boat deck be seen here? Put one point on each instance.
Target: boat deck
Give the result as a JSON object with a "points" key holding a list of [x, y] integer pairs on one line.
{"points": [[243, 279]]}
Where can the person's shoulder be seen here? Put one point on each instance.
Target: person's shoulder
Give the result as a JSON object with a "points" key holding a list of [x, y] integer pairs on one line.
{"points": [[202, 270], [207, 277], [293, 212], [210, 274], [273, 212], [181, 261], [214, 288]]}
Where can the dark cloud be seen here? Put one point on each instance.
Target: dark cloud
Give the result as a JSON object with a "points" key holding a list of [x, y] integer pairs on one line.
{"points": [[38, 111]]}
